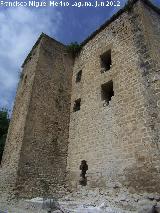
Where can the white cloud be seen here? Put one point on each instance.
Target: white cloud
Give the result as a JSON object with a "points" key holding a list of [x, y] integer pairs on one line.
{"points": [[19, 30]]}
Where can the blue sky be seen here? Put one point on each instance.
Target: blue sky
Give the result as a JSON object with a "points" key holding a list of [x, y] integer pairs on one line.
{"points": [[21, 26]]}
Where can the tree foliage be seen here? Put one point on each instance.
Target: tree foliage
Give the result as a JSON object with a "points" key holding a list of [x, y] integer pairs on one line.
{"points": [[4, 124], [74, 48]]}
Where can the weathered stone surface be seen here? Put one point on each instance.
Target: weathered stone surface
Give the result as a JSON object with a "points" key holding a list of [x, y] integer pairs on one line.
{"points": [[119, 141], [87, 201], [36, 149], [119, 137]]}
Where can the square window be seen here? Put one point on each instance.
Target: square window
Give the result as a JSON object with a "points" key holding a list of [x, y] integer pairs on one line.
{"points": [[77, 105], [107, 91], [79, 76], [106, 61]]}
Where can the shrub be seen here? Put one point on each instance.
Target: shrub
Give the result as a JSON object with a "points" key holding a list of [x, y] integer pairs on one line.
{"points": [[74, 48]]}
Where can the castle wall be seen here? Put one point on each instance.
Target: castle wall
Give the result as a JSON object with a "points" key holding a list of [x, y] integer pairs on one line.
{"points": [[150, 63], [11, 156], [151, 22], [48, 138], [42, 165], [116, 140], [42, 150]]}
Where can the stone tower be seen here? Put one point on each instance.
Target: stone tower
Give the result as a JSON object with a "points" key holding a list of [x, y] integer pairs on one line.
{"points": [[117, 127], [113, 121], [38, 132]]}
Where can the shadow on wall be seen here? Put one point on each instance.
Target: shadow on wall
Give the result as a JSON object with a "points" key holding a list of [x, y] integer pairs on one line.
{"points": [[83, 167], [142, 179]]}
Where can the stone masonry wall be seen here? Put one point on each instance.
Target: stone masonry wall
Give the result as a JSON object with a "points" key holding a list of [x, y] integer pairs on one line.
{"points": [[38, 135], [42, 165], [116, 140], [148, 170], [152, 34], [120, 141], [11, 156]]}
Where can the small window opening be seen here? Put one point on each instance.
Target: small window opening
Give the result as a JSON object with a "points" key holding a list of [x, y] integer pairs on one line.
{"points": [[77, 105], [107, 91], [106, 61], [79, 76]]}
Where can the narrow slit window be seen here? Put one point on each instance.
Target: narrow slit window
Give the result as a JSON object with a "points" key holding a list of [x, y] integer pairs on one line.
{"points": [[79, 76], [77, 105], [106, 61], [107, 92]]}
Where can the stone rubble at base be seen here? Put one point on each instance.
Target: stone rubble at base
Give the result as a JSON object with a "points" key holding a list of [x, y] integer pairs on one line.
{"points": [[90, 201]]}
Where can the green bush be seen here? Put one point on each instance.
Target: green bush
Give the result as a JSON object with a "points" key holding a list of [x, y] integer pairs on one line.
{"points": [[4, 124], [74, 48]]}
